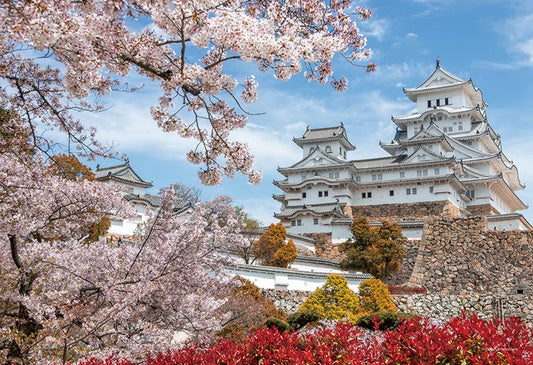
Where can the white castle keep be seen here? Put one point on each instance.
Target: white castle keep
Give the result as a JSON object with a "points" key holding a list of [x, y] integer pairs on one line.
{"points": [[445, 160]]}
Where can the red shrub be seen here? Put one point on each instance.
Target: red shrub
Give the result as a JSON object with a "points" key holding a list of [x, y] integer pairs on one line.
{"points": [[463, 340]]}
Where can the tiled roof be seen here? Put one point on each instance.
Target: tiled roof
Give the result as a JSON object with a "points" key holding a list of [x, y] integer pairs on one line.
{"points": [[324, 132], [379, 162], [123, 173]]}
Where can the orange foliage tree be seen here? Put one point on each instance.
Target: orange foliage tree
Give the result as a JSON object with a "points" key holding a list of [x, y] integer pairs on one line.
{"points": [[69, 167], [247, 308], [272, 249]]}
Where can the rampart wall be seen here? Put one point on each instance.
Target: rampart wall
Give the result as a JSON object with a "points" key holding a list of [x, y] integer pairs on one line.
{"points": [[460, 256], [407, 211]]}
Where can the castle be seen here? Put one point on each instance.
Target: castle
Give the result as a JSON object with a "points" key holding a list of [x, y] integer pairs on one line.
{"points": [[445, 160]]}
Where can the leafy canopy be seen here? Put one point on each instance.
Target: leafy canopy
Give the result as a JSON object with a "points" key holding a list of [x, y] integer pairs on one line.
{"points": [[378, 250], [333, 300], [272, 249]]}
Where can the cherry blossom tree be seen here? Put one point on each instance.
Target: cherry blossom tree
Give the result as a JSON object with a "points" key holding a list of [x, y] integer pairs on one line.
{"points": [[63, 297], [54, 53]]}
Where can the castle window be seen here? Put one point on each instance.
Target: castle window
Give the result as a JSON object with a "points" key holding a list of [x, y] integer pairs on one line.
{"points": [[436, 171], [421, 172], [358, 178], [391, 192], [328, 149], [377, 177], [293, 223], [431, 189], [304, 195], [363, 195], [471, 194], [304, 177], [345, 155], [402, 174], [299, 222], [340, 151], [429, 103], [408, 191], [446, 101], [414, 191], [336, 175], [331, 175], [369, 194], [320, 194], [315, 221], [325, 193], [460, 126], [438, 102]]}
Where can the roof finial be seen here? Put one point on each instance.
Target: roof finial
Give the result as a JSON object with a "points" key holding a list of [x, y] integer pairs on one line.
{"points": [[438, 62]]}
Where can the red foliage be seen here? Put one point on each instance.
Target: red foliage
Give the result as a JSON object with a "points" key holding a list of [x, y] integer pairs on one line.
{"points": [[463, 340]]}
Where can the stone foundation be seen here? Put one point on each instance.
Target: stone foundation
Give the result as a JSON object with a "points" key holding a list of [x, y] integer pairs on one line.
{"points": [[482, 209], [443, 307], [324, 246], [288, 300], [460, 256], [408, 211], [406, 269]]}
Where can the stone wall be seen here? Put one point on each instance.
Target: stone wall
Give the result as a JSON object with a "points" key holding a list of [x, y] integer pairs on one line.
{"points": [[324, 246], [442, 307], [288, 300], [460, 256], [404, 274], [408, 211], [482, 209]]}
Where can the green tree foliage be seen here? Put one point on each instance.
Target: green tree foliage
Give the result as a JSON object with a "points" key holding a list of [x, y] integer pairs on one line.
{"points": [[246, 309], [375, 297], [333, 300], [272, 249], [378, 250]]}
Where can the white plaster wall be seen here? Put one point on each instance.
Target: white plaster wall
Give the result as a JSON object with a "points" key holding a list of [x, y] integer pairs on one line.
{"points": [[340, 233], [412, 233], [288, 279], [506, 225], [314, 267]]}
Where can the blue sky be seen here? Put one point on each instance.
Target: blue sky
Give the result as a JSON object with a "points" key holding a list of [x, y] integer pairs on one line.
{"points": [[489, 41]]}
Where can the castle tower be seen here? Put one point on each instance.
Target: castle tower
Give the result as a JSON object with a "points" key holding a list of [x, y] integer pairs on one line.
{"points": [[317, 188], [445, 160]]}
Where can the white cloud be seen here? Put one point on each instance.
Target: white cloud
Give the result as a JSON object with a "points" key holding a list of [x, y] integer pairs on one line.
{"points": [[411, 35], [376, 28], [517, 33], [402, 71]]}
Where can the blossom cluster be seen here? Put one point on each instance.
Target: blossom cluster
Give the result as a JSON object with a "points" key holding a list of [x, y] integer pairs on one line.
{"points": [[183, 48]]}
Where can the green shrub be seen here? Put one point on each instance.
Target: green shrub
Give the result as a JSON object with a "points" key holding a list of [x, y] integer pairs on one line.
{"points": [[299, 319], [386, 320], [280, 324]]}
